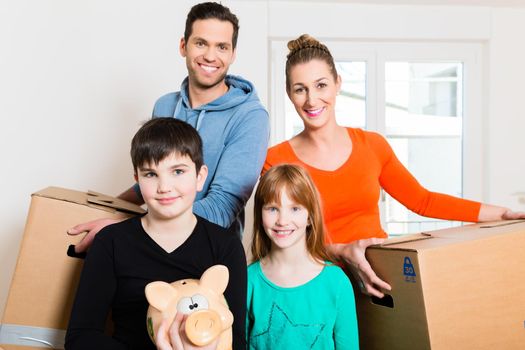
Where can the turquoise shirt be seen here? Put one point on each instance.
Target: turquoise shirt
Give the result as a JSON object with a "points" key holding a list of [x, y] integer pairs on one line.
{"points": [[319, 314]]}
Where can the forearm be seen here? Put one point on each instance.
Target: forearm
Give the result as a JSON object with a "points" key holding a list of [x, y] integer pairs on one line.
{"points": [[335, 249], [236, 173], [489, 212], [348, 252], [219, 207], [401, 185], [397, 180]]}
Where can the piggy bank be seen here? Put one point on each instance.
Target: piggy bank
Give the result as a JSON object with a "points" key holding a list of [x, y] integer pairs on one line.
{"points": [[202, 300]]}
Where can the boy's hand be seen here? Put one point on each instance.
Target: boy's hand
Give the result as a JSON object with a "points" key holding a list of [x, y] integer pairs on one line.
{"points": [[92, 228], [353, 254], [175, 337]]}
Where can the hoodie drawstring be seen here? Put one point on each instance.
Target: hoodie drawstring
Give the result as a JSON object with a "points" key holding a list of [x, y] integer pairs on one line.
{"points": [[199, 119], [178, 106]]}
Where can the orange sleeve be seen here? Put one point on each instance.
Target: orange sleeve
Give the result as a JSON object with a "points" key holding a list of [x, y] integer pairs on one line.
{"points": [[403, 186]]}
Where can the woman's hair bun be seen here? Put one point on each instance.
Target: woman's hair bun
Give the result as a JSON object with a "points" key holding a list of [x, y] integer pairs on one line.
{"points": [[305, 41]]}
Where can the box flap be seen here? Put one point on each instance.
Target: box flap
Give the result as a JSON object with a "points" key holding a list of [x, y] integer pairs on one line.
{"points": [[405, 242], [113, 202], [454, 235], [406, 239], [500, 223], [91, 198], [481, 230]]}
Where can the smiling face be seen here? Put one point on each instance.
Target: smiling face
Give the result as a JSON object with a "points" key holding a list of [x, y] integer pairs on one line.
{"points": [[285, 223], [313, 92], [209, 52], [169, 187]]}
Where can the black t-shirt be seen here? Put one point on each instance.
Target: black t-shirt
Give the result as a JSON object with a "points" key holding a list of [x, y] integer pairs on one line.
{"points": [[124, 259]]}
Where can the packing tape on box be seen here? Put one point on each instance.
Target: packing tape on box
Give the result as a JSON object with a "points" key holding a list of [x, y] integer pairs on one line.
{"points": [[49, 338]]}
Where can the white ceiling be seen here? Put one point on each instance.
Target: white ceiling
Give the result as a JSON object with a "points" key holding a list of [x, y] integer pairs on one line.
{"points": [[496, 3]]}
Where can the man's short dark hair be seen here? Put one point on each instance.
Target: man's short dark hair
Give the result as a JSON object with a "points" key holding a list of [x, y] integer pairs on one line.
{"points": [[209, 10], [160, 137]]}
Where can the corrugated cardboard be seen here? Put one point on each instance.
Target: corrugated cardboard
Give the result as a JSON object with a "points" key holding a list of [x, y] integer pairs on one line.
{"points": [[45, 278], [459, 288]]}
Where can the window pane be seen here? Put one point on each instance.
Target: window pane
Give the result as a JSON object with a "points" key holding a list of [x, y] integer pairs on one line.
{"points": [[351, 102], [423, 116]]}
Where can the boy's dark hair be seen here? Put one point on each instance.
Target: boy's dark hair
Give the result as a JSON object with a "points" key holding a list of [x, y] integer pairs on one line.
{"points": [[209, 10], [160, 137]]}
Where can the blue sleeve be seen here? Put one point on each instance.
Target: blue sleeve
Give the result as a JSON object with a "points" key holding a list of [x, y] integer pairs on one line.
{"points": [[346, 334], [238, 169], [92, 303]]}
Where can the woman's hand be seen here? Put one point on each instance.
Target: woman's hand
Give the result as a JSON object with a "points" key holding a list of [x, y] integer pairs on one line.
{"points": [[489, 212], [175, 337], [513, 215], [353, 254]]}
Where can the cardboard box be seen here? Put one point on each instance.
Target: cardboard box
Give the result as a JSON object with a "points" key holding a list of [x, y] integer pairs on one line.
{"points": [[21, 347], [45, 279], [459, 288]]}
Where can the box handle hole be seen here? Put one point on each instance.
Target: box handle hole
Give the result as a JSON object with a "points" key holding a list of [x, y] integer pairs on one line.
{"points": [[386, 301]]}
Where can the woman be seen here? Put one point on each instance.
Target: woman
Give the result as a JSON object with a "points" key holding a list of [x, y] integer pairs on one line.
{"points": [[349, 166]]}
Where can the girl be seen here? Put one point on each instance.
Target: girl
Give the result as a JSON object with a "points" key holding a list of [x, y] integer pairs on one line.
{"points": [[296, 297]]}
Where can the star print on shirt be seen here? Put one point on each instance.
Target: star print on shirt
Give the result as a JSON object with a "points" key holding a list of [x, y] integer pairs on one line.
{"points": [[283, 331]]}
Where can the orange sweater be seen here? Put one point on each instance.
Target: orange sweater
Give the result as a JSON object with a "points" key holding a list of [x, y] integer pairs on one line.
{"points": [[350, 194]]}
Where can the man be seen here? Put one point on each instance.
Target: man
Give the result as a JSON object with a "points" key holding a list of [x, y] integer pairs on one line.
{"points": [[226, 112]]}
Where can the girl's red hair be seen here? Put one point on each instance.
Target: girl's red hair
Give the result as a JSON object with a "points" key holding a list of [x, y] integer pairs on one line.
{"points": [[301, 189]]}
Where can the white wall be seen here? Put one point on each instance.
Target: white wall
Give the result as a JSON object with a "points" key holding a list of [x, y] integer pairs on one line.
{"points": [[76, 81], [77, 78], [505, 125]]}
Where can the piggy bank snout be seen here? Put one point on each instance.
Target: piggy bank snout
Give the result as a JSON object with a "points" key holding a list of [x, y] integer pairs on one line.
{"points": [[203, 326]]}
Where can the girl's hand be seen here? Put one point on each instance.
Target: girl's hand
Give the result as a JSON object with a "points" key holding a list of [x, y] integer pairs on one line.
{"points": [[353, 254], [175, 337]]}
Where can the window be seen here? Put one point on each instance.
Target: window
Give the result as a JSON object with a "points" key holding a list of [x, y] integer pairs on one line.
{"points": [[423, 124], [423, 97]]}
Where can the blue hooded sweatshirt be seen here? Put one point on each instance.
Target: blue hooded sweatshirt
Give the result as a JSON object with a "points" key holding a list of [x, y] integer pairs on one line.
{"points": [[235, 130]]}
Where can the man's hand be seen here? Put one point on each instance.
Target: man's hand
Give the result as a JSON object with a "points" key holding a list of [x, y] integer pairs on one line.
{"points": [[353, 254], [92, 228]]}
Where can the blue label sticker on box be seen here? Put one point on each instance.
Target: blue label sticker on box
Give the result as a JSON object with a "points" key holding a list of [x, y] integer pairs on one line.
{"points": [[408, 270]]}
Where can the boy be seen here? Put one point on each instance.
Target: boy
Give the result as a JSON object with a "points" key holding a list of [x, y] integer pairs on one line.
{"points": [[168, 243]]}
